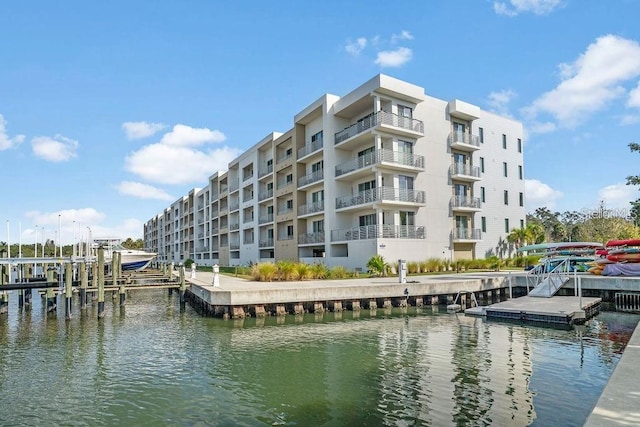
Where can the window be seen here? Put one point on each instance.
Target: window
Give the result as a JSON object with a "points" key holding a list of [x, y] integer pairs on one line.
{"points": [[364, 186], [316, 137], [318, 196], [289, 152], [506, 197], [405, 147], [405, 182], [520, 171], [459, 159], [365, 157], [522, 223], [482, 164], [317, 167], [519, 145], [289, 230], [460, 190], [481, 135], [289, 204], [483, 224], [506, 225], [318, 226], [504, 168], [521, 199], [462, 222], [404, 111], [289, 178], [407, 218], [504, 141], [365, 220], [482, 195], [459, 128]]}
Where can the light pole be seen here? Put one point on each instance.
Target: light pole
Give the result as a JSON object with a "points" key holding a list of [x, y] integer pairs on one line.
{"points": [[60, 232]]}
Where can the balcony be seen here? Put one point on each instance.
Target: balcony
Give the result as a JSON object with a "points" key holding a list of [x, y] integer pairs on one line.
{"points": [[386, 231], [464, 172], [467, 234], [466, 203], [234, 246], [265, 171], [311, 208], [263, 219], [234, 186], [284, 182], [382, 195], [234, 226], [285, 237], [266, 243], [282, 210], [311, 178], [406, 126], [284, 156], [234, 206], [267, 194], [464, 141], [311, 238], [310, 147], [382, 156]]}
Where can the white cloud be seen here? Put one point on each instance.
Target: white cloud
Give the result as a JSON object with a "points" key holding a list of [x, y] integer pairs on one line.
{"points": [[174, 160], [56, 149], [182, 135], [394, 58], [634, 97], [138, 130], [618, 195], [143, 191], [82, 216], [354, 48], [591, 82], [499, 101], [541, 127], [629, 119], [539, 194], [6, 142], [404, 35], [514, 7]]}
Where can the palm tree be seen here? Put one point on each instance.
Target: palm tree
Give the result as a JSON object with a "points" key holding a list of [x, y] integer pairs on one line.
{"points": [[518, 237]]}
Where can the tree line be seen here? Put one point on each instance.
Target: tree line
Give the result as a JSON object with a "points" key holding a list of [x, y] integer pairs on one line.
{"points": [[51, 248]]}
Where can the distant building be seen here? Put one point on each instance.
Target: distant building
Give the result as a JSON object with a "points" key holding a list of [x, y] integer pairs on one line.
{"points": [[382, 170]]}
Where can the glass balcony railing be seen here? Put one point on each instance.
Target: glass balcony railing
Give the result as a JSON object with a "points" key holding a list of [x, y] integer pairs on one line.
{"points": [[466, 202], [310, 147], [467, 234], [311, 178], [307, 238], [311, 208]]}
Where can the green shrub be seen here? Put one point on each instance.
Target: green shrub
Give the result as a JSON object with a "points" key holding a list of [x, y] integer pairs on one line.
{"points": [[287, 270], [447, 264], [303, 271], [413, 267], [264, 271], [338, 272], [433, 265], [378, 266], [319, 271]]}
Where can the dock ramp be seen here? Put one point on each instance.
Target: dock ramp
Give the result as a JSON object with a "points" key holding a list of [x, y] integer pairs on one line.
{"points": [[549, 279]]}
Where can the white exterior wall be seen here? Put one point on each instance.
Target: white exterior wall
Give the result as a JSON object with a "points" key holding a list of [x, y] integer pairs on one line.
{"points": [[331, 114]]}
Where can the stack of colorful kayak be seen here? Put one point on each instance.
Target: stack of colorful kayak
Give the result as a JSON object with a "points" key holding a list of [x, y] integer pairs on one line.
{"points": [[619, 258]]}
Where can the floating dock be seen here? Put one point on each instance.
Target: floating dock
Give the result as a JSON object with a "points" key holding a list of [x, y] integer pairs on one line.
{"points": [[561, 310]]}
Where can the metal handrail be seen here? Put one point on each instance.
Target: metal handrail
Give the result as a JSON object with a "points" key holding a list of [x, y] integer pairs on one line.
{"points": [[376, 119], [393, 194], [380, 156]]}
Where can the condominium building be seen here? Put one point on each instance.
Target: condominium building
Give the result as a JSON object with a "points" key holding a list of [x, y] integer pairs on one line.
{"points": [[385, 169]]}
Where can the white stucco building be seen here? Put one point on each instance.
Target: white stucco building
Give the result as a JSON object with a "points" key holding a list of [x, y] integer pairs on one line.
{"points": [[385, 169]]}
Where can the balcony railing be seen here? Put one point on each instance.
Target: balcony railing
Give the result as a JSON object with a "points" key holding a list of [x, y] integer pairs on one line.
{"points": [[376, 119], [263, 219], [466, 202], [379, 156], [311, 208], [285, 237], [284, 156], [467, 234], [386, 231], [234, 246], [235, 226], [284, 210], [265, 243], [389, 194], [265, 171], [233, 186], [310, 147], [310, 178], [247, 175], [284, 182], [311, 238], [234, 206], [266, 194], [460, 168], [464, 138]]}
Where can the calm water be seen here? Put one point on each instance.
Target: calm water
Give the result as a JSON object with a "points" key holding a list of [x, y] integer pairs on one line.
{"points": [[149, 364]]}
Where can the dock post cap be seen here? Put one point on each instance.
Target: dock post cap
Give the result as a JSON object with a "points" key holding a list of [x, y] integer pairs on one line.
{"points": [[216, 275]]}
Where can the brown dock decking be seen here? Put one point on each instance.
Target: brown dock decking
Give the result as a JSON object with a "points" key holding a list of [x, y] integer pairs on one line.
{"points": [[556, 310]]}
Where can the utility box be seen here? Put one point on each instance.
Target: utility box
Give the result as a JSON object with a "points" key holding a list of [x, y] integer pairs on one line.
{"points": [[402, 270]]}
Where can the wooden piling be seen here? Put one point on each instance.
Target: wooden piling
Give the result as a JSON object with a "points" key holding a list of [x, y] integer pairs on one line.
{"points": [[68, 290], [30, 272], [51, 296], [84, 281], [121, 284], [100, 283], [183, 288]]}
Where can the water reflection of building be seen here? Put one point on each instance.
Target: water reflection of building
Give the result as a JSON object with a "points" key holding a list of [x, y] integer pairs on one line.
{"points": [[382, 372]]}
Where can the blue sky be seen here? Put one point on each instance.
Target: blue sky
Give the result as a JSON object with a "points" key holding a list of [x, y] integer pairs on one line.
{"points": [[109, 111]]}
